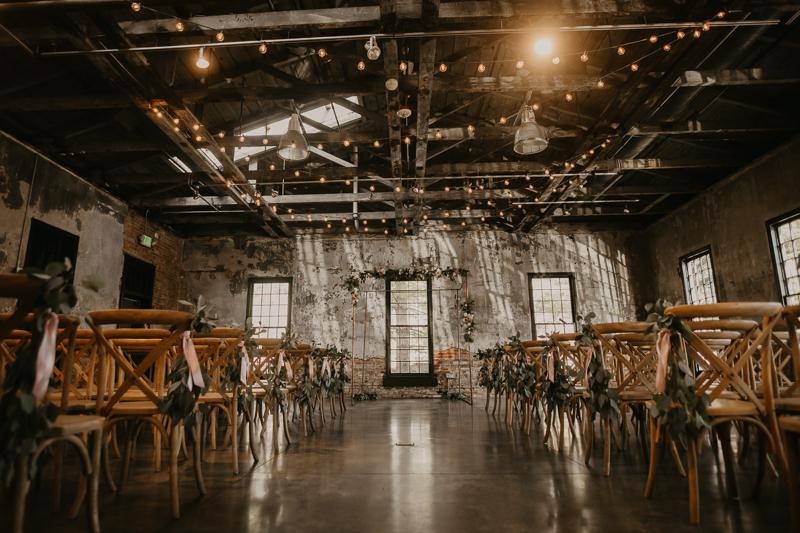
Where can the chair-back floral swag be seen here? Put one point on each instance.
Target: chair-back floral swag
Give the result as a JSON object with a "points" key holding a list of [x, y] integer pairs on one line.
{"points": [[353, 283]]}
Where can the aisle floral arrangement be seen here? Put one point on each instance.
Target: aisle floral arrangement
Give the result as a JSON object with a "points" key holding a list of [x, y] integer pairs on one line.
{"points": [[600, 399]]}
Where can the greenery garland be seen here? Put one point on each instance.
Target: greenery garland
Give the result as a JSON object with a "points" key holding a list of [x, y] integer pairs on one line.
{"points": [[468, 310], [233, 371], [180, 402], [600, 399], [22, 418], [559, 392], [679, 407]]}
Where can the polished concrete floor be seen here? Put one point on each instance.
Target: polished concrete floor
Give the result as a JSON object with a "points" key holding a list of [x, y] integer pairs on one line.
{"points": [[467, 471]]}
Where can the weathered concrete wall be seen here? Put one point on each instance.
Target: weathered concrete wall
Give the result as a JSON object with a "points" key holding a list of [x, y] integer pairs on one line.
{"points": [[64, 200], [499, 264], [731, 217]]}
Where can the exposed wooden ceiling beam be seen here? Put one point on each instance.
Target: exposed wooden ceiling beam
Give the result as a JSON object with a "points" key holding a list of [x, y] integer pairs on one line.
{"points": [[746, 76], [714, 126]]}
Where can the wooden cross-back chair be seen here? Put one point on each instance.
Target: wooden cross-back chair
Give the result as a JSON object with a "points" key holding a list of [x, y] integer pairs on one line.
{"points": [[724, 377], [533, 353], [66, 428], [219, 399], [784, 404], [82, 384], [135, 397], [574, 357], [269, 350]]}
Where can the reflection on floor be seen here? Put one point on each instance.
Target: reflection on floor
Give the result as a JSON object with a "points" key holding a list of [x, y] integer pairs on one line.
{"points": [[467, 471]]}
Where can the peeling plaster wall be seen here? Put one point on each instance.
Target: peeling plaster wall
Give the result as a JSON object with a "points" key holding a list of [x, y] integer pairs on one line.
{"points": [[64, 200], [499, 264], [731, 217]]}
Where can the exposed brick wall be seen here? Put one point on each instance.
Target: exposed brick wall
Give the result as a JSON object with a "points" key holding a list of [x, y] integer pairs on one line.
{"points": [[165, 255], [444, 363]]}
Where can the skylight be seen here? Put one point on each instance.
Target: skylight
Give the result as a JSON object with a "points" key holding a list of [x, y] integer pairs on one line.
{"points": [[210, 157], [178, 165], [318, 114]]}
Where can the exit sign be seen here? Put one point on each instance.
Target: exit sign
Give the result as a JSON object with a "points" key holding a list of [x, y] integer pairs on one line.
{"points": [[145, 240]]}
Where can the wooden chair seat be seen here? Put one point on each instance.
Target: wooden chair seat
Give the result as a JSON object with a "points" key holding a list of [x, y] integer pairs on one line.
{"points": [[134, 408], [213, 397], [729, 407], [787, 404], [82, 406], [73, 424], [790, 423], [635, 395]]}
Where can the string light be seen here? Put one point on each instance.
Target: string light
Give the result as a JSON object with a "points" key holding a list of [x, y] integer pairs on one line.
{"points": [[621, 50], [483, 219], [535, 107], [502, 120], [136, 6], [229, 183], [243, 196], [443, 67], [319, 146], [463, 223], [506, 182], [667, 47], [221, 134], [425, 217], [405, 230], [634, 67], [706, 27], [322, 180], [584, 57], [329, 225], [527, 177], [407, 140], [376, 144], [262, 48], [347, 228], [198, 138], [653, 38], [383, 220], [447, 213], [272, 167], [346, 143], [469, 190], [347, 182], [556, 60], [322, 52], [371, 187], [386, 232], [569, 97], [159, 114], [720, 14], [600, 84], [438, 134], [241, 138], [361, 65], [696, 34], [296, 173], [222, 149], [220, 36], [195, 127], [447, 189], [246, 158], [403, 66], [481, 68], [177, 129], [470, 128], [397, 189], [344, 221], [520, 64]]}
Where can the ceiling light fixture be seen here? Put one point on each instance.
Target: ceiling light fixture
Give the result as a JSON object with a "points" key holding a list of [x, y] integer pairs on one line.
{"points": [[373, 52], [202, 62], [293, 145], [543, 47]]}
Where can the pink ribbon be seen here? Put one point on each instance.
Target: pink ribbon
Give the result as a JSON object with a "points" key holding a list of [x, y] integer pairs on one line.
{"points": [[311, 369], [283, 363], [662, 348], [326, 367], [244, 373], [289, 373], [551, 370], [195, 375], [46, 356]]}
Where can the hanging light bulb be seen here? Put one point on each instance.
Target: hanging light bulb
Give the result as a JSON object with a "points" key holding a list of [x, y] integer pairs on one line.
{"points": [[136, 6], [347, 182], [198, 138], [361, 65], [469, 190], [272, 167], [706, 27], [407, 140], [425, 217], [667, 47], [329, 225], [443, 68], [506, 182], [229, 183], [720, 14], [322, 179], [179, 26], [502, 120], [438, 134], [376, 144], [653, 38], [221, 134], [600, 84], [243, 196], [159, 114], [556, 60], [397, 189], [621, 50], [177, 129], [247, 158], [603, 145], [293, 145], [220, 36], [520, 64], [322, 52], [681, 35], [634, 67], [483, 219], [403, 66], [480, 186], [569, 97], [319, 146], [463, 223], [222, 149], [584, 57], [195, 127], [591, 152], [373, 52], [371, 187], [296, 173], [447, 213], [447, 189], [481, 68], [202, 62], [262, 48], [527, 177], [346, 143], [696, 34]]}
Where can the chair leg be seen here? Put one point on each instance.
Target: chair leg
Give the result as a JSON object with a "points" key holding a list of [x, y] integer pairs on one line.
{"points": [[275, 428], [589, 439], [174, 449], [232, 421], [126, 459], [724, 433], [157, 451], [694, 486], [561, 428], [606, 447], [792, 450], [644, 415], [303, 416], [19, 493], [252, 426], [106, 467], [198, 464], [651, 476], [762, 462], [92, 512], [675, 456], [745, 430], [213, 429], [286, 428], [58, 463]]}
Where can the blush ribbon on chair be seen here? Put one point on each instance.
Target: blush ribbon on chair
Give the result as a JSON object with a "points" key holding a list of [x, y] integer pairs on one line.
{"points": [[195, 375], [551, 370], [586, 367], [311, 369], [283, 363], [244, 373], [46, 356], [326, 367], [662, 348]]}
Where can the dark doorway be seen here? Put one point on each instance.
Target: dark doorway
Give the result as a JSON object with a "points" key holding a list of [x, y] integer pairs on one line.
{"points": [[137, 284], [47, 244]]}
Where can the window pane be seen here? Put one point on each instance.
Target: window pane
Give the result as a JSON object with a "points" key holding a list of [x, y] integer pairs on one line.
{"points": [[270, 307], [699, 280], [552, 305], [408, 332]]}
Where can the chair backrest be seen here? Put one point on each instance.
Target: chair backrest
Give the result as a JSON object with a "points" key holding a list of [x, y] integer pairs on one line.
{"points": [[153, 344], [229, 339], [729, 369]]}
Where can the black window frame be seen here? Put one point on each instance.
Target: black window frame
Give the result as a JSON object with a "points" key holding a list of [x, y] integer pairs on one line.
{"points": [[774, 250], [572, 294], [50, 231], [394, 379], [271, 279], [682, 271]]}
